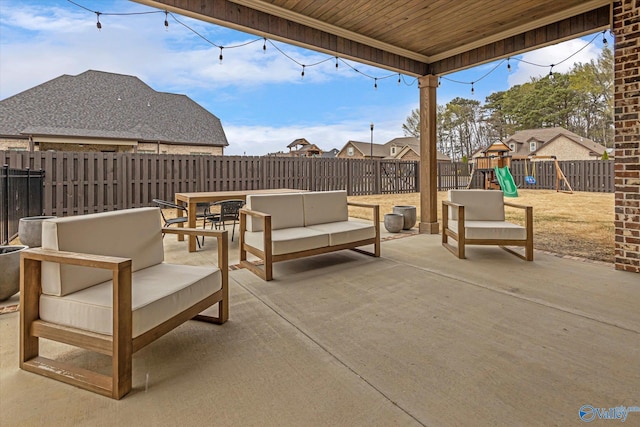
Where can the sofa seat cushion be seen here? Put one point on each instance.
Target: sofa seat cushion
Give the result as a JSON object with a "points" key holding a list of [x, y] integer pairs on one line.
{"points": [[158, 293], [343, 232], [288, 240], [491, 230]]}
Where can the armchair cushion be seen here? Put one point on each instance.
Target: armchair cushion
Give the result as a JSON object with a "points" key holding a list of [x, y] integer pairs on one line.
{"points": [[100, 234], [159, 292], [490, 230], [479, 205]]}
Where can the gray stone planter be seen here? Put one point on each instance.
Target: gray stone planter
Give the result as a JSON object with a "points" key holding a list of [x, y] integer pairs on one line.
{"points": [[409, 214], [30, 230], [393, 222], [10, 268]]}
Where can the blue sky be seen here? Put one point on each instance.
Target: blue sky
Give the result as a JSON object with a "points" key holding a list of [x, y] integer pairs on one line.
{"points": [[260, 96]]}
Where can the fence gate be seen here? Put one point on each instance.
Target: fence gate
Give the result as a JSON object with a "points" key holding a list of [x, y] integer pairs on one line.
{"points": [[20, 196], [398, 177]]}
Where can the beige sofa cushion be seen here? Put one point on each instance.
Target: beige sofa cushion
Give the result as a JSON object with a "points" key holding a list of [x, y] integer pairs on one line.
{"points": [[325, 206], [491, 230], [479, 205], [158, 293], [129, 233], [289, 240], [286, 210], [343, 232]]}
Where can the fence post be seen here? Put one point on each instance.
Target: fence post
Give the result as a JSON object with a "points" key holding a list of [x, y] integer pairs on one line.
{"points": [[5, 171]]}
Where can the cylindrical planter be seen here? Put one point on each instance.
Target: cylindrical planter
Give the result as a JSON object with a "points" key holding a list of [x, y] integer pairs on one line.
{"points": [[393, 222], [409, 214], [30, 230], [10, 268]]}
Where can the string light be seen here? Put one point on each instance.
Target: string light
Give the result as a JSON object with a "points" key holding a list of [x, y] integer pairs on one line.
{"points": [[337, 59]]}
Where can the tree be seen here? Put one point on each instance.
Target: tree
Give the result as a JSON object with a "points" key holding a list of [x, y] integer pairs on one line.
{"points": [[412, 126]]}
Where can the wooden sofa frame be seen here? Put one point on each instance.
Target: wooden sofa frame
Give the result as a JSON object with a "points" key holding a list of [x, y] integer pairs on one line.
{"points": [[459, 251], [268, 258], [120, 346]]}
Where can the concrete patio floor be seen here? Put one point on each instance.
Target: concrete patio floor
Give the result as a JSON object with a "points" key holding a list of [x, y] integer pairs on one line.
{"points": [[416, 337]]}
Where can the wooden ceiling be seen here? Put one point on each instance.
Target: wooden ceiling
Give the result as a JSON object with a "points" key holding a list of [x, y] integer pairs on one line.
{"points": [[414, 37]]}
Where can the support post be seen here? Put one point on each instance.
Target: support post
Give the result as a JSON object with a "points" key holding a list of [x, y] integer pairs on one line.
{"points": [[428, 161]]}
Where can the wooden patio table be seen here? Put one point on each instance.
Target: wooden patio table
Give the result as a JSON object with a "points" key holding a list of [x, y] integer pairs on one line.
{"points": [[190, 200]]}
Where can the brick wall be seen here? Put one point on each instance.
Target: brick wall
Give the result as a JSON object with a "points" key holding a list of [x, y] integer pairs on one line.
{"points": [[626, 26]]}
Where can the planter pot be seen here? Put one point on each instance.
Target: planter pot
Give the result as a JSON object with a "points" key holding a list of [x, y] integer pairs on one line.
{"points": [[10, 267], [30, 230], [409, 214], [393, 222]]}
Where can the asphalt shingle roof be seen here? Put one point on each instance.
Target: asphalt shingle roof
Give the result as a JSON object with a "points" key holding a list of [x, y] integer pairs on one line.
{"points": [[108, 105]]}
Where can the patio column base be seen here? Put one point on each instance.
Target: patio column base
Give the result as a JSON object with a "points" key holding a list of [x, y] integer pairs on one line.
{"points": [[429, 228]]}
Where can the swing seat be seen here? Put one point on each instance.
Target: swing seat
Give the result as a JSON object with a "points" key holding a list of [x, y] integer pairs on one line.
{"points": [[530, 180]]}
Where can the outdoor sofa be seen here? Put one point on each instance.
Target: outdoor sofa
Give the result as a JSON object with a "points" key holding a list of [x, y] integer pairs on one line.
{"points": [[100, 282], [280, 227]]}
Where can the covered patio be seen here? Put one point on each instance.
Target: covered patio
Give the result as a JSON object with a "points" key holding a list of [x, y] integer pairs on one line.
{"points": [[416, 337], [427, 39]]}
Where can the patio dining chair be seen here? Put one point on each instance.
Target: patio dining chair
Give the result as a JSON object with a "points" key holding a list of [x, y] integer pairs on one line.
{"points": [[229, 211], [164, 204]]}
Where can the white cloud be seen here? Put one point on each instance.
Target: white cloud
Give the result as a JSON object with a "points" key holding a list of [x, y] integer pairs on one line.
{"points": [[258, 140], [522, 71]]}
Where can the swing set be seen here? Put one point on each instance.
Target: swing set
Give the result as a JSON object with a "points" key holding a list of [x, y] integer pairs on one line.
{"points": [[560, 177]]}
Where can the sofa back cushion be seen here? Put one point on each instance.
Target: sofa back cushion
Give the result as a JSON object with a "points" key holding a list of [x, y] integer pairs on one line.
{"points": [[325, 206], [479, 205], [286, 210], [129, 233]]}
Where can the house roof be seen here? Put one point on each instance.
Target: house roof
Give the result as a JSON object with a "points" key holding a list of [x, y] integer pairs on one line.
{"points": [[413, 143], [379, 150], [106, 105], [299, 141], [545, 135]]}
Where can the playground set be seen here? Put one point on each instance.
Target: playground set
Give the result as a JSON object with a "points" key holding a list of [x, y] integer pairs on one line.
{"points": [[495, 165]]}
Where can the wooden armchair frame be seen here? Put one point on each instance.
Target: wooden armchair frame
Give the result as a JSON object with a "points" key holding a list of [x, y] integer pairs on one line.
{"points": [[120, 346], [459, 251], [267, 256]]}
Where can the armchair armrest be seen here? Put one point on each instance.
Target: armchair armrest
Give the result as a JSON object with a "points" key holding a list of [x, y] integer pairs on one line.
{"points": [[445, 214]]}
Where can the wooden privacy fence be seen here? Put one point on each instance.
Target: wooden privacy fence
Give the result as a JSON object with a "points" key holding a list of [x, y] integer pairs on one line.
{"points": [[84, 182]]}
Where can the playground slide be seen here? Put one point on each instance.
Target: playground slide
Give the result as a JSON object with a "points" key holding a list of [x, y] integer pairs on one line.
{"points": [[505, 179]]}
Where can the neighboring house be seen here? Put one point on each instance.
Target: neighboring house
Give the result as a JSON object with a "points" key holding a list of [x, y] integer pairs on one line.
{"points": [[99, 111], [557, 141], [331, 153], [303, 148], [405, 148]]}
